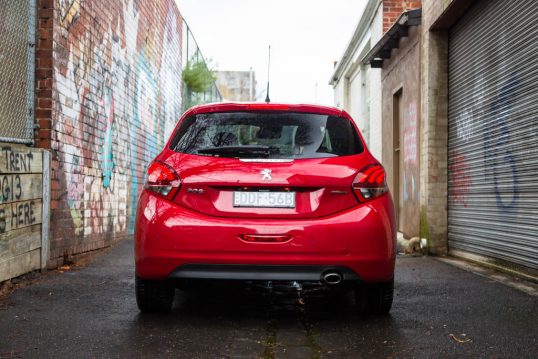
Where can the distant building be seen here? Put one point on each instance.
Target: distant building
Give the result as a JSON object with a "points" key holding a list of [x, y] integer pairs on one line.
{"points": [[237, 85]]}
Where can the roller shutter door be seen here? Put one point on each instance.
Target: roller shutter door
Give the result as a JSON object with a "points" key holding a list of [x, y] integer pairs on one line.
{"points": [[493, 132]]}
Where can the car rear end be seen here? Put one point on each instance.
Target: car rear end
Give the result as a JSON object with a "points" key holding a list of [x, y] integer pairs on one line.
{"points": [[265, 192]]}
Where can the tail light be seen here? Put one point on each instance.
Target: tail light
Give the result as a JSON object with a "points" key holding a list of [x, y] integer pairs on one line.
{"points": [[163, 180], [370, 183]]}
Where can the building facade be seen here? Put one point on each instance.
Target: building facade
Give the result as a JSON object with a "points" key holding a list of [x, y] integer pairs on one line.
{"points": [[400, 128], [364, 91], [357, 89], [101, 83], [237, 85], [492, 131], [476, 126]]}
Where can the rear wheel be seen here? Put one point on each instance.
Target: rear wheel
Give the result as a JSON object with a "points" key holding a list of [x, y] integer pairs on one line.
{"points": [[154, 296], [374, 298]]}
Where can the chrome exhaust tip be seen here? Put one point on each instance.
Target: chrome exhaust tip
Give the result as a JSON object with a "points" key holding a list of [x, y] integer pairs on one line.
{"points": [[331, 278]]}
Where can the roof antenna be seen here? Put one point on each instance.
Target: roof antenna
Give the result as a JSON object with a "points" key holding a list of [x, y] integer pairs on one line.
{"points": [[268, 68]]}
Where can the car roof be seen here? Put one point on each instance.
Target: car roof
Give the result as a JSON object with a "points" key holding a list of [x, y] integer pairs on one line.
{"points": [[263, 106]]}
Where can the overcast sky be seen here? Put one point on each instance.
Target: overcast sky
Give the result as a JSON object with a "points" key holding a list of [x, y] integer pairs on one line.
{"points": [[306, 37]]}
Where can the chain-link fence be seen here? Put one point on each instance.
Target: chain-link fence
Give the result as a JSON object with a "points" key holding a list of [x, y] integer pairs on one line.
{"points": [[199, 69], [17, 58]]}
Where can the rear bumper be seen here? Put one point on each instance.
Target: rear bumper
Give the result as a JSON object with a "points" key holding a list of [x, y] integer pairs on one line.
{"points": [[260, 272], [175, 242]]}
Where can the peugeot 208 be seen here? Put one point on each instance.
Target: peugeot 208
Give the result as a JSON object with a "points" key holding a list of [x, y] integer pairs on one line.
{"points": [[265, 192]]}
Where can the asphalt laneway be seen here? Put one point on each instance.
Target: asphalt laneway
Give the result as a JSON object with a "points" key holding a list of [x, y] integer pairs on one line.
{"points": [[439, 311]]}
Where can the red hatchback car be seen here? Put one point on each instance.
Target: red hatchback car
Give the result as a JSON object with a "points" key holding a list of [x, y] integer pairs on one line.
{"points": [[265, 192]]}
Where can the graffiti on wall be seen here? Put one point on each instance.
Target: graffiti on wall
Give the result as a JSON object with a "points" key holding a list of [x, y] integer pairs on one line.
{"points": [[500, 163], [459, 171], [21, 209], [464, 126], [465, 121], [459, 178], [117, 97], [410, 133], [501, 174], [171, 70], [410, 151], [69, 11]]}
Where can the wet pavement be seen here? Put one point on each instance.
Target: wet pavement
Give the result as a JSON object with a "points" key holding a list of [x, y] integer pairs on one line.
{"points": [[439, 311]]}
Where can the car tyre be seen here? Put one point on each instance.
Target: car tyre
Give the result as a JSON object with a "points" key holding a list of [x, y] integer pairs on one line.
{"points": [[154, 296], [374, 299]]}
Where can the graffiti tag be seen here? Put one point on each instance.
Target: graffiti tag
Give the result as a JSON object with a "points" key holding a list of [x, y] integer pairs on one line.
{"points": [[464, 126], [10, 188], [459, 178], [18, 215], [16, 161], [410, 134], [498, 157]]}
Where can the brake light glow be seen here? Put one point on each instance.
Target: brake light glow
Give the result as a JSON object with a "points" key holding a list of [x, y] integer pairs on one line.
{"points": [[370, 183], [163, 180], [267, 106]]}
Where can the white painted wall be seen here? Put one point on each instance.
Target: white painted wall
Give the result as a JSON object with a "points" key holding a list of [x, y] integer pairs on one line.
{"points": [[374, 105], [358, 89], [354, 100], [339, 94], [374, 84]]}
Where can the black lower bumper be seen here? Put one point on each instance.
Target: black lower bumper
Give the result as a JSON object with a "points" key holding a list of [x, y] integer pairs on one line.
{"points": [[260, 272]]}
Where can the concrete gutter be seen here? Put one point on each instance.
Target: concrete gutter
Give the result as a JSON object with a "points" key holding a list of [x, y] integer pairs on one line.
{"points": [[518, 278], [508, 279]]}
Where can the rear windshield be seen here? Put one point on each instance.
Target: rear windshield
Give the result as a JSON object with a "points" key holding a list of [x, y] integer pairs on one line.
{"points": [[279, 135]]}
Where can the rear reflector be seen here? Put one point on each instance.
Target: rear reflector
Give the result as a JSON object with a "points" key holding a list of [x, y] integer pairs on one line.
{"points": [[265, 238]]}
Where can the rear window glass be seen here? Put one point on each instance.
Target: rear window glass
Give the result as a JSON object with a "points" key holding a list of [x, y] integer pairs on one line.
{"points": [[281, 135]]}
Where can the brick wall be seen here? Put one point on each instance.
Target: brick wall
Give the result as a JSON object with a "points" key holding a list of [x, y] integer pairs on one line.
{"points": [[434, 128], [392, 9], [401, 97], [109, 79], [43, 74]]}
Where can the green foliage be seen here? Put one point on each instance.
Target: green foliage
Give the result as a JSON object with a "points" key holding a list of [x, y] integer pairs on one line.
{"points": [[197, 76]]}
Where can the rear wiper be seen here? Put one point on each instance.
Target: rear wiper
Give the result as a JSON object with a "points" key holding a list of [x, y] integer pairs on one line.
{"points": [[240, 151]]}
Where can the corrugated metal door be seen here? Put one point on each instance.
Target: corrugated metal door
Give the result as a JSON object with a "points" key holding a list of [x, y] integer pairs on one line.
{"points": [[493, 132]]}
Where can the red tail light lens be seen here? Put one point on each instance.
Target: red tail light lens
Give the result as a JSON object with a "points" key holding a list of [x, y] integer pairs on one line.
{"points": [[267, 106], [163, 180], [370, 183]]}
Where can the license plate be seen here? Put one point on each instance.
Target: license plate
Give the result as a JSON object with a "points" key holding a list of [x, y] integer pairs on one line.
{"points": [[264, 199]]}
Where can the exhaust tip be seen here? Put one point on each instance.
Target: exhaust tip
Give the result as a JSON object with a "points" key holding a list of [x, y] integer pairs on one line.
{"points": [[331, 278]]}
